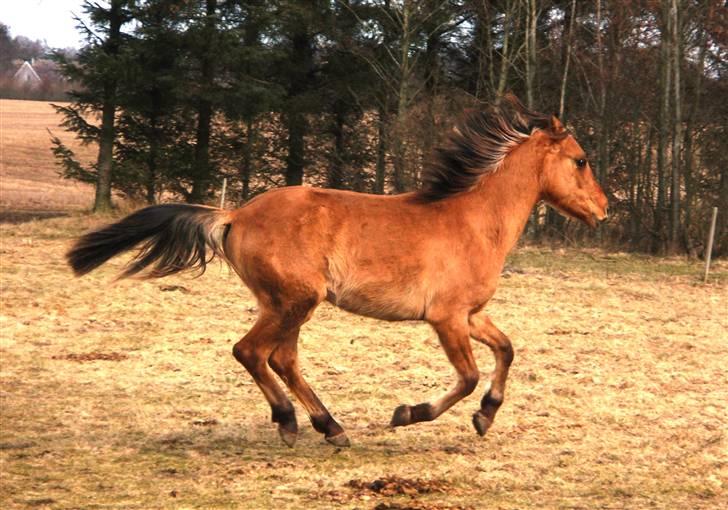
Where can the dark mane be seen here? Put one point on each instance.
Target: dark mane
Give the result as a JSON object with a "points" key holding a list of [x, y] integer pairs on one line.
{"points": [[478, 144]]}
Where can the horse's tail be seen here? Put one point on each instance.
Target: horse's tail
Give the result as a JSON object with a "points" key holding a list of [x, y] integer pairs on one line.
{"points": [[171, 238]]}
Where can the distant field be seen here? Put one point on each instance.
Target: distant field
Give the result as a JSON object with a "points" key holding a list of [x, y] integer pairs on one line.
{"points": [[126, 395], [29, 178]]}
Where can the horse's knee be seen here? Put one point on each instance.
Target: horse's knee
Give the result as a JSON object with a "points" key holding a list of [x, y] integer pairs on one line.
{"points": [[245, 355]]}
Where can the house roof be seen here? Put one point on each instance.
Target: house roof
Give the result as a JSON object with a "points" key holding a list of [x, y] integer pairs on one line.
{"points": [[27, 73]]}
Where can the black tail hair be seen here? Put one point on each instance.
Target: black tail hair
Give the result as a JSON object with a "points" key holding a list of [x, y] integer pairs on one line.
{"points": [[172, 238]]}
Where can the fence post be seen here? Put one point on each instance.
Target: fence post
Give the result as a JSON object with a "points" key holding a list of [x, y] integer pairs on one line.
{"points": [[710, 244], [222, 195]]}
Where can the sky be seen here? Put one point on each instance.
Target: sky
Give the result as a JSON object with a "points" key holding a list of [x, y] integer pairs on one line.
{"points": [[45, 20]]}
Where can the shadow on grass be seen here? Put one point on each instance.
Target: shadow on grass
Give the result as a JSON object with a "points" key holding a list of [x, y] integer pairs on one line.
{"points": [[15, 217], [261, 443]]}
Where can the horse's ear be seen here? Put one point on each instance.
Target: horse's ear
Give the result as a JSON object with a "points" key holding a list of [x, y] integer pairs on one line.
{"points": [[557, 127]]}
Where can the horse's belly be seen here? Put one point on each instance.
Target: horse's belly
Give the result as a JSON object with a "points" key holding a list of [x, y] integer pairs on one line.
{"points": [[381, 303]]}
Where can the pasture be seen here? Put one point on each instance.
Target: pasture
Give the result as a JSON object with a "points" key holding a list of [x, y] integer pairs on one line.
{"points": [[29, 176], [125, 395]]}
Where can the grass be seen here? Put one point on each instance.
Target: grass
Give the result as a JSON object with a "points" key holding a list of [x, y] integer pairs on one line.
{"points": [[612, 264], [125, 395], [29, 178]]}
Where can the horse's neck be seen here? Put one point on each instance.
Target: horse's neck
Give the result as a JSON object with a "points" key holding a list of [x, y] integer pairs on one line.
{"points": [[502, 201]]}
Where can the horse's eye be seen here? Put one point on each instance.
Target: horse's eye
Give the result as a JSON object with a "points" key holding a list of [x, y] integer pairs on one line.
{"points": [[581, 163]]}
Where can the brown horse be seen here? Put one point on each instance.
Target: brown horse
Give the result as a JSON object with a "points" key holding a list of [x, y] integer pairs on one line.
{"points": [[433, 255]]}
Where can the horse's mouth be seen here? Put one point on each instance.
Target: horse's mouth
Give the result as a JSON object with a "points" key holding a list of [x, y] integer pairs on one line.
{"points": [[591, 220], [597, 215]]}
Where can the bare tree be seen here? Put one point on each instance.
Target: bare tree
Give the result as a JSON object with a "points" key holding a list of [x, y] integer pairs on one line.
{"points": [[569, 18], [676, 50], [664, 129]]}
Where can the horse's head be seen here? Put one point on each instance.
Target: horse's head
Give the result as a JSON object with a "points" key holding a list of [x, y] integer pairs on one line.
{"points": [[567, 181]]}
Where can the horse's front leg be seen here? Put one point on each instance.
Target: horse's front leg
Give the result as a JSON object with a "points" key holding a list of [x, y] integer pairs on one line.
{"points": [[454, 336], [483, 330]]}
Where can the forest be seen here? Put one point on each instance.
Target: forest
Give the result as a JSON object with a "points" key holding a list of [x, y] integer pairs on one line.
{"points": [[356, 94]]}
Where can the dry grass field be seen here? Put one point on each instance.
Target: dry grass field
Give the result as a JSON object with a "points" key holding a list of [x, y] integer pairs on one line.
{"points": [[125, 395], [29, 179]]}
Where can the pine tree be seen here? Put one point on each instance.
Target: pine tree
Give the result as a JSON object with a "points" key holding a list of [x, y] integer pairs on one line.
{"points": [[98, 69]]}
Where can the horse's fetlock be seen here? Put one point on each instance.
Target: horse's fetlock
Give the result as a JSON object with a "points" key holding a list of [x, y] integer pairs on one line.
{"points": [[422, 412], [283, 414], [491, 400], [322, 423]]}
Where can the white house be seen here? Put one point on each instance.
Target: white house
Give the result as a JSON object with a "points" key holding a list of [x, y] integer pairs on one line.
{"points": [[26, 77]]}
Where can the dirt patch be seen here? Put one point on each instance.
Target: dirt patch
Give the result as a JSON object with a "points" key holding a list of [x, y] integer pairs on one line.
{"points": [[394, 485], [174, 288], [92, 356], [419, 506], [211, 422], [20, 445], [40, 502]]}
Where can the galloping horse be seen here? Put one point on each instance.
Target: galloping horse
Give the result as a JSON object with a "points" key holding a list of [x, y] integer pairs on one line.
{"points": [[433, 255]]}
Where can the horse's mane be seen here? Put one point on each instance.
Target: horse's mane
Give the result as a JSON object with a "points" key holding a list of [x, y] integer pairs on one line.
{"points": [[478, 145]]}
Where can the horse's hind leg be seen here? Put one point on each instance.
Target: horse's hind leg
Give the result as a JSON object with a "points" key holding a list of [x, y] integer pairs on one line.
{"points": [[284, 361], [455, 340], [483, 330], [253, 352]]}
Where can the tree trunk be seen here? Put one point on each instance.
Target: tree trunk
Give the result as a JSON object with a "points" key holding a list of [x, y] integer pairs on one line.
{"points": [[432, 71], [533, 226], [381, 166], [337, 159], [247, 169], [569, 17], [688, 137], [397, 137], [663, 136], [505, 55], [643, 197], [201, 174], [677, 129], [554, 220], [296, 149], [484, 49], [531, 21], [153, 155], [602, 138], [102, 200], [302, 66]]}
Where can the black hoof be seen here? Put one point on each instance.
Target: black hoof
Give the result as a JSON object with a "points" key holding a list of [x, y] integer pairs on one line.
{"points": [[287, 436], [481, 423], [339, 440], [402, 416]]}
